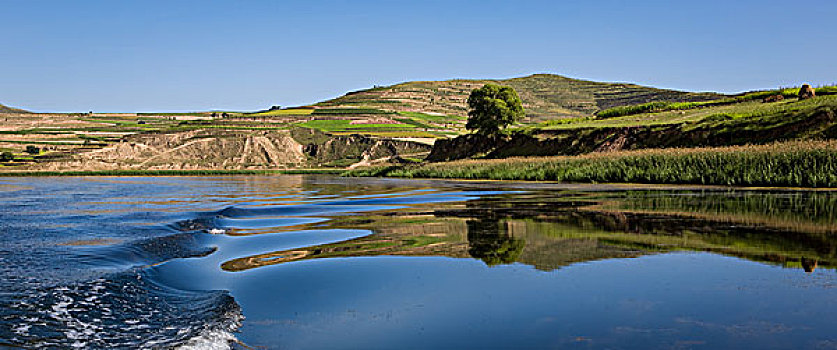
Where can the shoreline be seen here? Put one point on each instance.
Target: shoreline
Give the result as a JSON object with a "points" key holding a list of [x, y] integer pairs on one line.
{"points": [[567, 185], [199, 172]]}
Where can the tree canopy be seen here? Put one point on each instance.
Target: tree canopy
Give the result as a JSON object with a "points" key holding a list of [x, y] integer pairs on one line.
{"points": [[493, 107]]}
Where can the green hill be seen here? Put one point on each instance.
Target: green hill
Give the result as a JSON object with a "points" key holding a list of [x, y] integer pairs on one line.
{"points": [[4, 109], [545, 96]]}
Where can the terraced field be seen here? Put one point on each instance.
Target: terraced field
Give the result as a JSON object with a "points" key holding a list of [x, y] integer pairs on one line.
{"points": [[561, 109], [196, 141], [750, 109], [545, 96]]}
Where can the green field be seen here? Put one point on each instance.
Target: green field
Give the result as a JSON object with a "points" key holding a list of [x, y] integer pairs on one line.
{"points": [[749, 110], [406, 133], [345, 125], [433, 118], [350, 111], [653, 107], [173, 114], [284, 112]]}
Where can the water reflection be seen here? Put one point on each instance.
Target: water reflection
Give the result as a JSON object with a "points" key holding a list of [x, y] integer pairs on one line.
{"points": [[809, 265], [134, 258], [551, 229], [490, 241]]}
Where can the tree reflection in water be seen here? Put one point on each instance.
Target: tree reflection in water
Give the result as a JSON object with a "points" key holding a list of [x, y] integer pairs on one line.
{"points": [[490, 241]]}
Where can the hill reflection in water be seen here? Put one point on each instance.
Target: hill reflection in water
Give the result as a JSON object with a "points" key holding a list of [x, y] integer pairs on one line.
{"points": [[551, 229]]}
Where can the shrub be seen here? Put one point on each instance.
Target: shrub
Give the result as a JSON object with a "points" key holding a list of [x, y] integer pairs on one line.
{"points": [[7, 157]]}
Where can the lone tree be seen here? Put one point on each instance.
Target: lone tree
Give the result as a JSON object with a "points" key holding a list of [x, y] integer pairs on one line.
{"points": [[493, 107]]}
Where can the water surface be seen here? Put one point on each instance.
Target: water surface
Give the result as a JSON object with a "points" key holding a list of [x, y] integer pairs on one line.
{"points": [[320, 262]]}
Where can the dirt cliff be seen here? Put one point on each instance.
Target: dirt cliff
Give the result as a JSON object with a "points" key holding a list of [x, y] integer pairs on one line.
{"points": [[324, 149], [227, 149]]}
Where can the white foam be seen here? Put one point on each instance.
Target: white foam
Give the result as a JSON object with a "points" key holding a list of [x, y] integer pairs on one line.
{"points": [[220, 337], [215, 339], [22, 329], [216, 231]]}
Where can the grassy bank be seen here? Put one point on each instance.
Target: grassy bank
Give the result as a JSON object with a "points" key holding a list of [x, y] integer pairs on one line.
{"points": [[661, 106], [752, 112], [204, 172], [796, 164]]}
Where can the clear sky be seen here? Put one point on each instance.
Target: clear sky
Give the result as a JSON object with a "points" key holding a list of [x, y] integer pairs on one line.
{"points": [[246, 55]]}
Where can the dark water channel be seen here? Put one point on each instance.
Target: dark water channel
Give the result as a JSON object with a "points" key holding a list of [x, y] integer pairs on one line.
{"points": [[320, 262]]}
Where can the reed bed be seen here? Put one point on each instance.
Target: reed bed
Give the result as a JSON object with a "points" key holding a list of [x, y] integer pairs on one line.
{"points": [[793, 164]]}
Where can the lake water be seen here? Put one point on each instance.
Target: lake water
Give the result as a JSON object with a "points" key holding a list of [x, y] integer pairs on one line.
{"points": [[322, 262]]}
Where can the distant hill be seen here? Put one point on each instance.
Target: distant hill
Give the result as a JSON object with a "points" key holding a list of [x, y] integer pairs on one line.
{"points": [[544, 96], [4, 109]]}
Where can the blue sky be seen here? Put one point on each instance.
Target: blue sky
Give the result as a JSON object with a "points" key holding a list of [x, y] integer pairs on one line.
{"points": [[247, 55]]}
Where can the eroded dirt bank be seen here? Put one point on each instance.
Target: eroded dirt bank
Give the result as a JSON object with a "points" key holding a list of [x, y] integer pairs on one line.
{"points": [[226, 149]]}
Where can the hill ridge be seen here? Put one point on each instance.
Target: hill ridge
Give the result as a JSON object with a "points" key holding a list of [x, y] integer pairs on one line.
{"points": [[544, 95], [7, 109]]}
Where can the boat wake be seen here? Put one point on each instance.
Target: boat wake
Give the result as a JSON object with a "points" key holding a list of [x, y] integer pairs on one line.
{"points": [[126, 310], [126, 306]]}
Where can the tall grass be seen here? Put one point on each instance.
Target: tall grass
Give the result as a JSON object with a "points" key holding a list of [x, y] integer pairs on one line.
{"points": [[797, 164]]}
